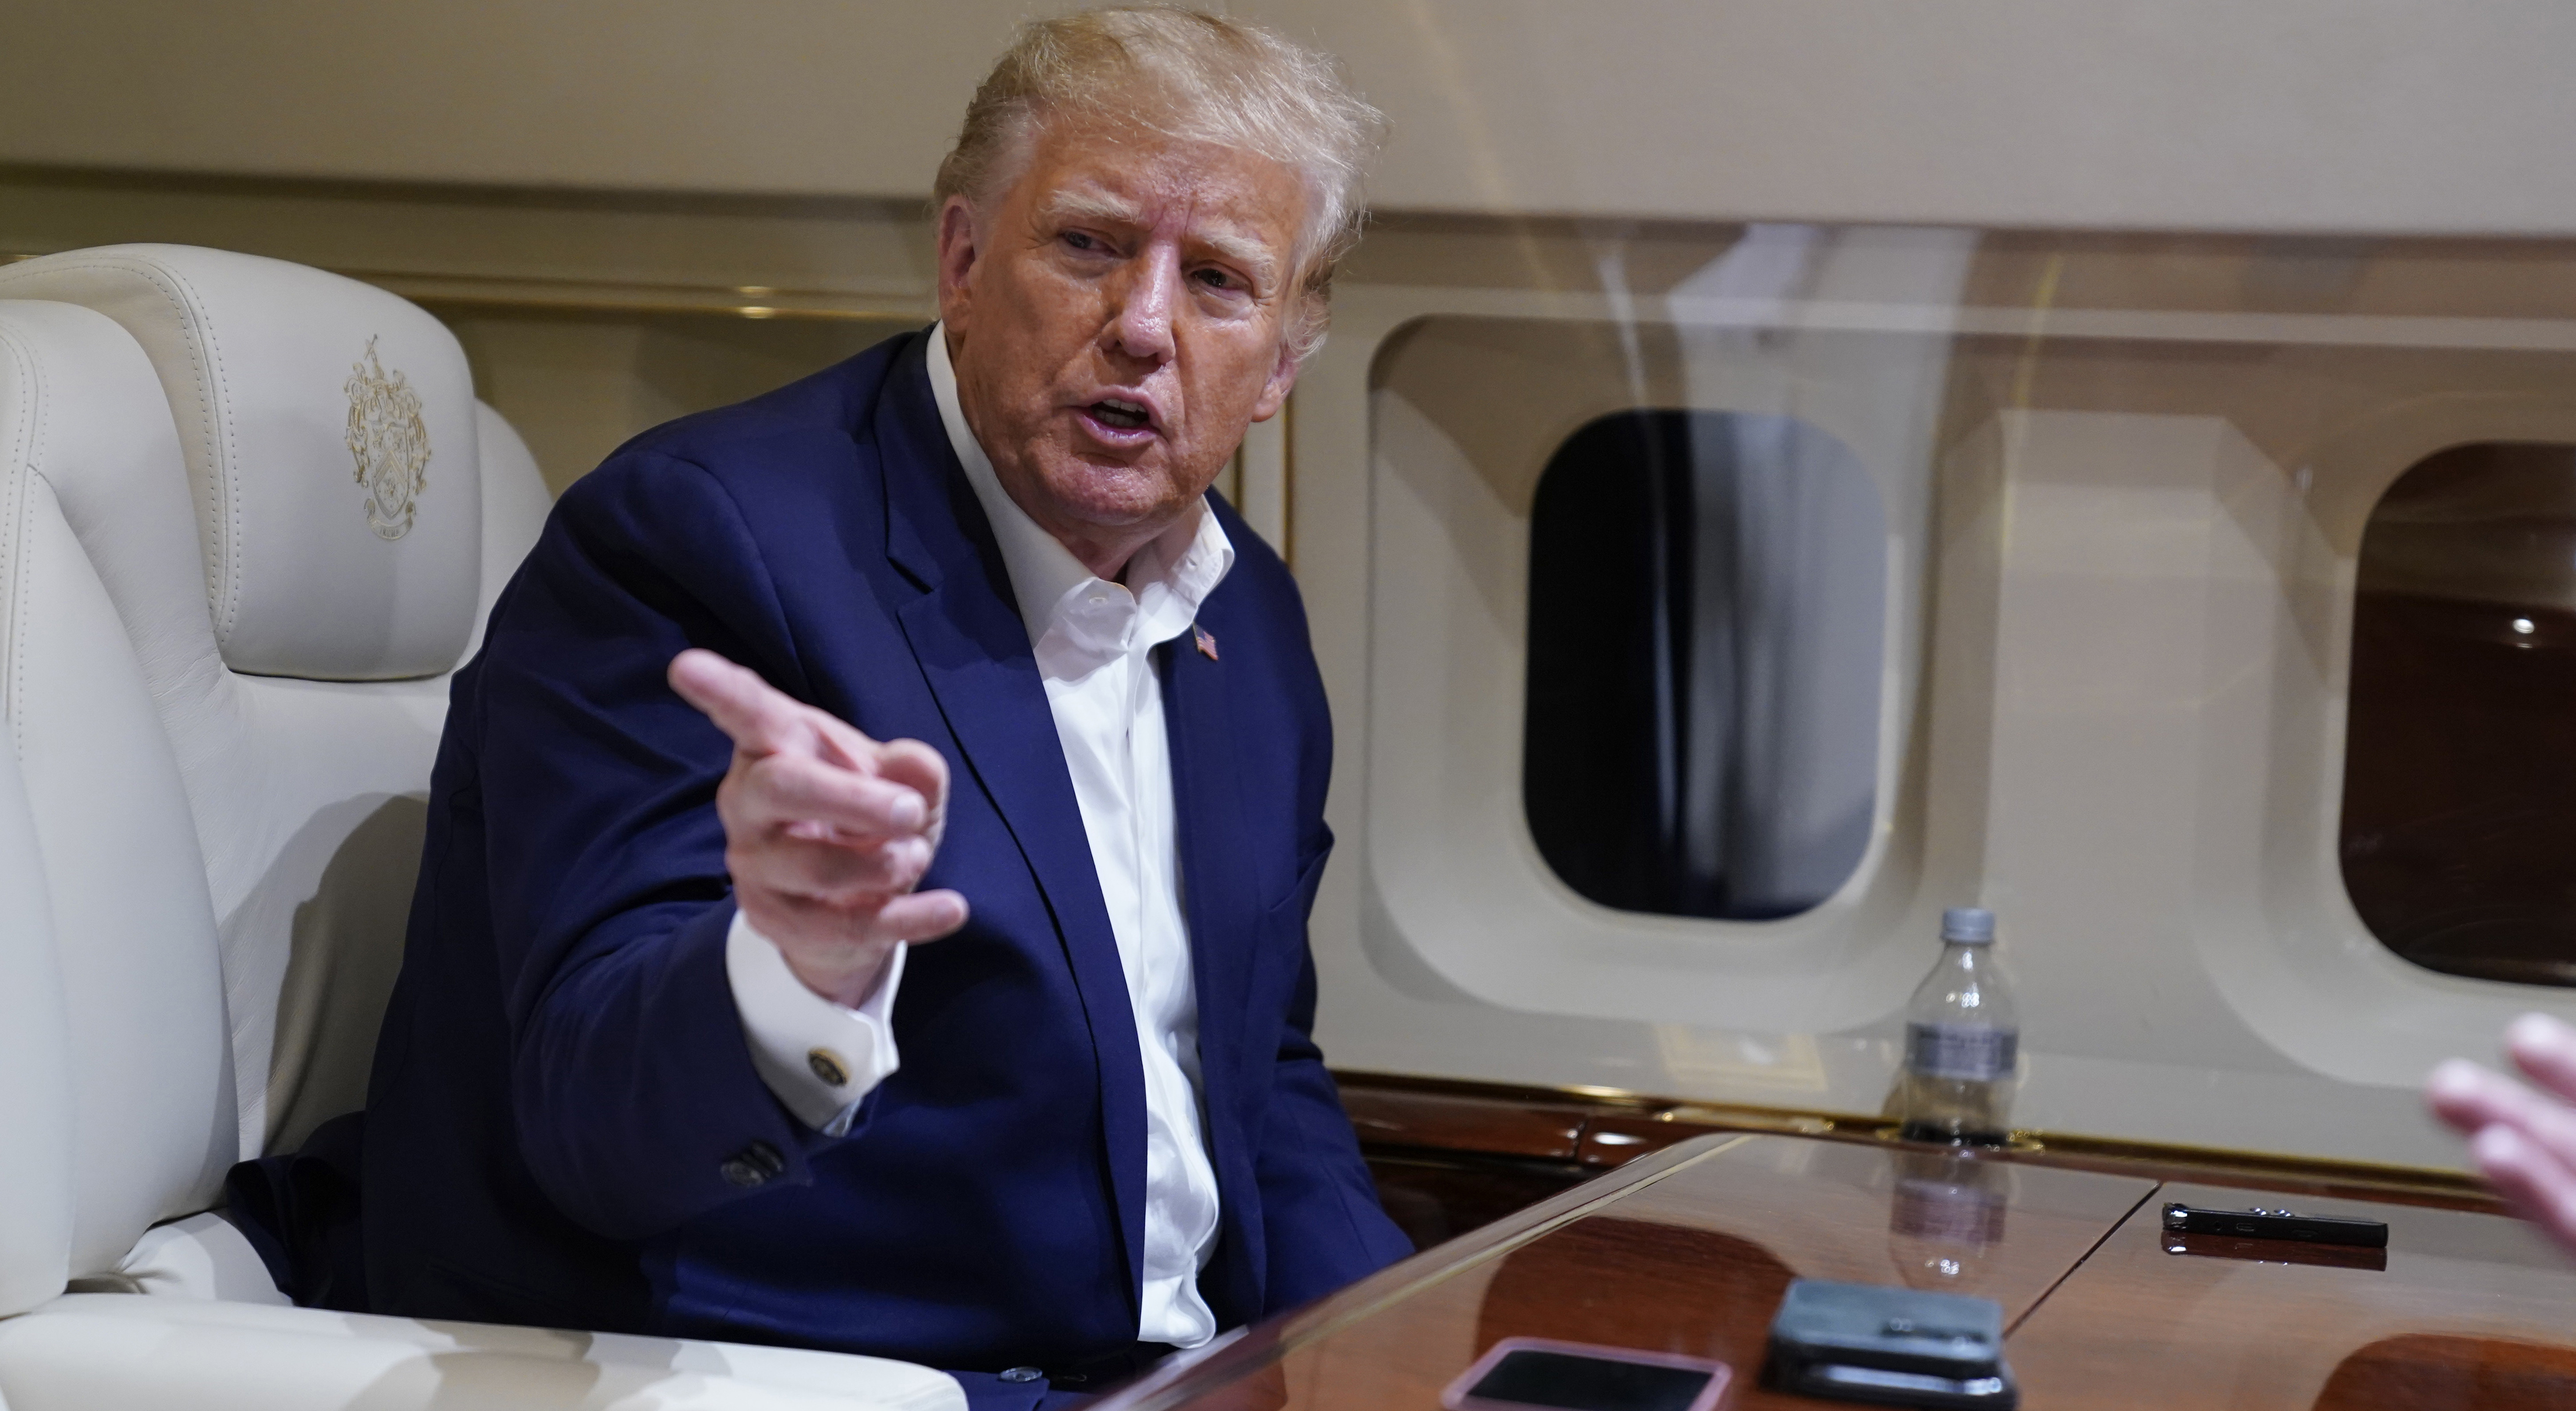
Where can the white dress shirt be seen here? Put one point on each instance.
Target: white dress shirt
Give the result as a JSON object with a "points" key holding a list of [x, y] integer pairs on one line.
{"points": [[1093, 640]]}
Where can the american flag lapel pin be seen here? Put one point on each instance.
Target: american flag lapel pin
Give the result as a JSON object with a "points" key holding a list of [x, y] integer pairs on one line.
{"points": [[1207, 642]]}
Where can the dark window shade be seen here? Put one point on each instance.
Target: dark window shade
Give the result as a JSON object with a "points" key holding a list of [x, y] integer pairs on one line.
{"points": [[2459, 803], [1706, 640]]}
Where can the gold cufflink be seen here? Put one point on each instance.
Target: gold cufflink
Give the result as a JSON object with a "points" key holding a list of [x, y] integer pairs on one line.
{"points": [[828, 1066]]}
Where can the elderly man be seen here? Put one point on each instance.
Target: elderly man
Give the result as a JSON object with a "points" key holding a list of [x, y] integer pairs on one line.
{"points": [[947, 641]]}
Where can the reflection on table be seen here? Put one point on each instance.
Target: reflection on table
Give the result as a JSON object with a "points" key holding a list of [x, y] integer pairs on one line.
{"points": [[1689, 1249]]}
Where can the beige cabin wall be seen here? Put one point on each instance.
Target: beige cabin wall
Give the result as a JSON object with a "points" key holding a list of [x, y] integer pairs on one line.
{"points": [[591, 315], [2148, 464], [2296, 115], [587, 317]]}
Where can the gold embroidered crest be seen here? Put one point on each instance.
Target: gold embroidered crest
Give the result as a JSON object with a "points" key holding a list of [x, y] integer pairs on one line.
{"points": [[388, 441]]}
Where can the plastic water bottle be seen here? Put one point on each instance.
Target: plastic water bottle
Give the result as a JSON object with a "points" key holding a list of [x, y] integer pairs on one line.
{"points": [[1948, 1218], [1962, 1041]]}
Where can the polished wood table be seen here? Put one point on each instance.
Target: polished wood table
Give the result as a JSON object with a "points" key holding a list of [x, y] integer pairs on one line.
{"points": [[2469, 1310], [1688, 1249]]}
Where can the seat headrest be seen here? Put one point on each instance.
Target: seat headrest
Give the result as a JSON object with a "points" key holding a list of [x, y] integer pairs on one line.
{"points": [[329, 431]]}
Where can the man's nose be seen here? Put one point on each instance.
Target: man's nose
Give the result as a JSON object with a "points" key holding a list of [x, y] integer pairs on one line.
{"points": [[1141, 326]]}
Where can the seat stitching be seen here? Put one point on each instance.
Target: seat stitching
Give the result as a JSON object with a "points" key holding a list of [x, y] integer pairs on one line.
{"points": [[223, 568], [232, 589], [31, 438]]}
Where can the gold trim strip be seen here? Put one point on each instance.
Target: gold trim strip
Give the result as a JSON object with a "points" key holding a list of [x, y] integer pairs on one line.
{"points": [[428, 298], [575, 295], [903, 291], [2212, 1163]]}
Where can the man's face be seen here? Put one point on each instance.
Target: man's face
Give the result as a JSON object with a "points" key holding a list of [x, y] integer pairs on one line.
{"points": [[1116, 322]]}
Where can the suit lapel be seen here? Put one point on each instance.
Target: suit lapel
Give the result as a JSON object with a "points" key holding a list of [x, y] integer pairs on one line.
{"points": [[974, 651], [1216, 877]]}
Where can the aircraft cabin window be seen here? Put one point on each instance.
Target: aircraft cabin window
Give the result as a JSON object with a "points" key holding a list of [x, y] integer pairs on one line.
{"points": [[1706, 633], [2459, 803]]}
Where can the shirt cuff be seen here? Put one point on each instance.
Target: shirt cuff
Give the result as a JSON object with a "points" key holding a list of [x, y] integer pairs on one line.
{"points": [[820, 1058]]}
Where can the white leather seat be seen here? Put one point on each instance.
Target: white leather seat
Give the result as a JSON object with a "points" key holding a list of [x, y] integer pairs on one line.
{"points": [[223, 650]]}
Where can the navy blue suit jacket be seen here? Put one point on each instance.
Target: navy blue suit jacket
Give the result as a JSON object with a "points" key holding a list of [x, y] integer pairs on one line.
{"points": [[563, 1101]]}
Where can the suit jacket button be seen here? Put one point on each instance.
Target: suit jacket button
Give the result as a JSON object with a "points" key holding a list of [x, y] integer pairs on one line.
{"points": [[1022, 1374], [754, 1165], [828, 1066]]}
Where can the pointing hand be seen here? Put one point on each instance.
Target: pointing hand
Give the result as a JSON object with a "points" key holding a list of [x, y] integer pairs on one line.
{"points": [[827, 832]]}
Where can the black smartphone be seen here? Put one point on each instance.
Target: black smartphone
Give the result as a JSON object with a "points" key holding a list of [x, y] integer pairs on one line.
{"points": [[2267, 1224], [1518, 1373], [1837, 1382], [1893, 1346]]}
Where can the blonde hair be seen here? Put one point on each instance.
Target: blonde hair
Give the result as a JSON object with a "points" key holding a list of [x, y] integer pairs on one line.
{"points": [[1197, 77]]}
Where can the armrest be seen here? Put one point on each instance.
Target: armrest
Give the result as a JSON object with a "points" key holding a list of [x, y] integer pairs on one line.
{"points": [[112, 1352], [200, 1257]]}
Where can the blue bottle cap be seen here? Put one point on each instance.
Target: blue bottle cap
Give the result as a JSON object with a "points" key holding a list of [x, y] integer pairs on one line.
{"points": [[1968, 925]]}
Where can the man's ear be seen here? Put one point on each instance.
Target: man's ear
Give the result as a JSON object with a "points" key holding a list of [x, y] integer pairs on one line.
{"points": [[957, 254], [1283, 380]]}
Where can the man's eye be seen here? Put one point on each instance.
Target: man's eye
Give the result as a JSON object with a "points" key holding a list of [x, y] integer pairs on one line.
{"points": [[1080, 241], [1217, 279]]}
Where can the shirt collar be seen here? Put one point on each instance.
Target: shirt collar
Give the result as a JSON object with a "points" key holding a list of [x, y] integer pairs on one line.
{"points": [[1168, 578]]}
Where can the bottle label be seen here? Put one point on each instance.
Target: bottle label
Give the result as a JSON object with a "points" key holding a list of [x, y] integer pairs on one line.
{"points": [[1961, 1051]]}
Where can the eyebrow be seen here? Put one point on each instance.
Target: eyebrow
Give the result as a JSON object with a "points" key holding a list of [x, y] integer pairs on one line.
{"points": [[1093, 205], [1243, 250]]}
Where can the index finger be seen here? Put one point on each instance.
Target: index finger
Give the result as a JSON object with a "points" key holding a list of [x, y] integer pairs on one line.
{"points": [[2544, 1049], [759, 718], [2468, 1097], [2472, 1099]]}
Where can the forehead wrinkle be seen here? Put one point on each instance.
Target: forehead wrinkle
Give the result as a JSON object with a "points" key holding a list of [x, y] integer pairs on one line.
{"points": [[1093, 204]]}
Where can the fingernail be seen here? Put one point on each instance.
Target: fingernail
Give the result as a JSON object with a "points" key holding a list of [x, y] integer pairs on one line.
{"points": [[908, 811]]}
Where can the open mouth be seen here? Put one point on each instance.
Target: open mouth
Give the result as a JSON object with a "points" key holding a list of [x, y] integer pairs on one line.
{"points": [[1126, 416]]}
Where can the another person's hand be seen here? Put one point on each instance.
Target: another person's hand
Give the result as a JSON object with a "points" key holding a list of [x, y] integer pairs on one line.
{"points": [[2524, 1142], [826, 831]]}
